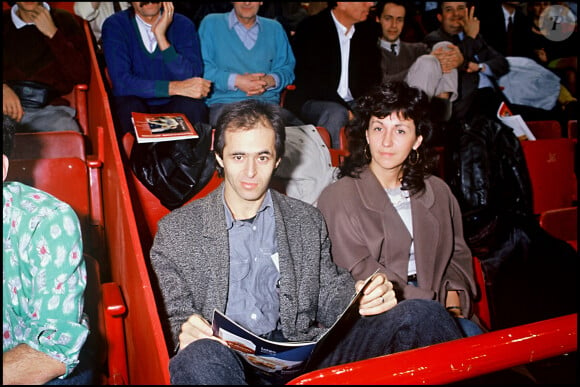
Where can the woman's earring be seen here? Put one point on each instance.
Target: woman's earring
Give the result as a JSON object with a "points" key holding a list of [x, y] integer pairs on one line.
{"points": [[416, 158], [366, 153]]}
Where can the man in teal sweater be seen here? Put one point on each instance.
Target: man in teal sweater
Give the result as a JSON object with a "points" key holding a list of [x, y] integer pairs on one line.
{"points": [[245, 56]]}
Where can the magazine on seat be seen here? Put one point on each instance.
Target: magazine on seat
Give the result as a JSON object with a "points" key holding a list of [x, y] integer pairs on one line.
{"points": [[516, 122], [272, 359], [151, 127]]}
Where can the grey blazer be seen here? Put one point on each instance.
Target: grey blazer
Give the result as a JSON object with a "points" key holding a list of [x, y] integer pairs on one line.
{"points": [[190, 257]]}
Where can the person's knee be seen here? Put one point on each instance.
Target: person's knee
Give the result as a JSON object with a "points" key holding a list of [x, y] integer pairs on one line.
{"points": [[191, 364], [427, 64]]}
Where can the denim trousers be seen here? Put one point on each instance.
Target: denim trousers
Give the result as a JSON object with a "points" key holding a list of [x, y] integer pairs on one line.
{"points": [[331, 115], [410, 324]]}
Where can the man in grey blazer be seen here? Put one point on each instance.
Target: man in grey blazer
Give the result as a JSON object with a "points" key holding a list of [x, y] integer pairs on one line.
{"points": [[263, 259]]}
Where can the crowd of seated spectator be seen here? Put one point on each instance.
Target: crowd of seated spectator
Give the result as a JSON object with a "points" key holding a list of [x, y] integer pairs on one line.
{"points": [[334, 56]]}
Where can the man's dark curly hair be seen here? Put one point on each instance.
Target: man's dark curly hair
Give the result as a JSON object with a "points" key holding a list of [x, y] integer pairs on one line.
{"points": [[410, 103]]}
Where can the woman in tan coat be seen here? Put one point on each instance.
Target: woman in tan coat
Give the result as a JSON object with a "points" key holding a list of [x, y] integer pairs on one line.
{"points": [[387, 212]]}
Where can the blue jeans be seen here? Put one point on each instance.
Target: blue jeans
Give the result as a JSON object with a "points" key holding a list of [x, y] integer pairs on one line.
{"points": [[85, 373], [331, 115], [410, 324]]}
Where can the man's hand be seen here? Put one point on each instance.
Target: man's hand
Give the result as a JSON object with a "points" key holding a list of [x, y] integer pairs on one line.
{"points": [[43, 21], [470, 23], [160, 26], [193, 88], [195, 328], [253, 84], [450, 57], [11, 105], [379, 296], [472, 67]]}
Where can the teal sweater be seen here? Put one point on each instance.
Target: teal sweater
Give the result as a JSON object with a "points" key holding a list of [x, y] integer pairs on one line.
{"points": [[224, 53]]}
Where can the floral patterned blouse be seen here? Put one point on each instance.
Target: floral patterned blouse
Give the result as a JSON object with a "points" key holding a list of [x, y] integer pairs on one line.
{"points": [[44, 275]]}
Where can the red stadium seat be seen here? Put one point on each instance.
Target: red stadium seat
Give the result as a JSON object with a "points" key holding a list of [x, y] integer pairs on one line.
{"points": [[71, 180], [572, 129], [550, 164], [49, 145], [481, 304], [284, 92], [106, 308], [561, 223], [148, 208], [77, 99], [336, 155], [545, 129]]}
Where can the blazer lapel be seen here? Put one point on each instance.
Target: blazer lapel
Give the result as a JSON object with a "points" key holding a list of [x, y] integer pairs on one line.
{"points": [[426, 234], [216, 246]]}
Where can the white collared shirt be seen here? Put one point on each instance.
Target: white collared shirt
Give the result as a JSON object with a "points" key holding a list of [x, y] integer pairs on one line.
{"points": [[18, 22], [344, 41], [387, 45], [148, 37]]}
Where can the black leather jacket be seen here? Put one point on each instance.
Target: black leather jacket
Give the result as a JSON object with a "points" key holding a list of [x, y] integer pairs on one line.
{"points": [[490, 176]]}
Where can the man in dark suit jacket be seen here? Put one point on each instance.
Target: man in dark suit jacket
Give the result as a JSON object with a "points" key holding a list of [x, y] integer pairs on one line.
{"points": [[482, 65], [495, 28], [320, 98]]}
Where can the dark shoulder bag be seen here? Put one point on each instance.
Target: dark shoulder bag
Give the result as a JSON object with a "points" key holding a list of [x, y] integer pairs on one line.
{"points": [[32, 94], [174, 171]]}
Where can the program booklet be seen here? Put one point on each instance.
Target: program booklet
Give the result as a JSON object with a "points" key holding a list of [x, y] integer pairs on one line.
{"points": [[283, 361], [151, 127], [516, 122]]}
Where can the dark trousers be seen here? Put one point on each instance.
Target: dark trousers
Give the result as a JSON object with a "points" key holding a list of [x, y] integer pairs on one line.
{"points": [[195, 110], [410, 324]]}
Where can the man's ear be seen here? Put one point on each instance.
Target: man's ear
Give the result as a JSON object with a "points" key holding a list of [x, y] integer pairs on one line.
{"points": [[278, 162]]}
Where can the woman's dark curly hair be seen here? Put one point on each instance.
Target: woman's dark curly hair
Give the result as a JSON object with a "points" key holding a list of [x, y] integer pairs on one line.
{"points": [[410, 103]]}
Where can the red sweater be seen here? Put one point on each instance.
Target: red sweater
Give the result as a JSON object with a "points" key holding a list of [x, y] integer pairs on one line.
{"points": [[60, 62]]}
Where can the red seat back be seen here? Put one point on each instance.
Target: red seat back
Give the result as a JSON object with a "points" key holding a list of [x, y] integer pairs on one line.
{"points": [[49, 145], [561, 223], [551, 167], [65, 178], [545, 129]]}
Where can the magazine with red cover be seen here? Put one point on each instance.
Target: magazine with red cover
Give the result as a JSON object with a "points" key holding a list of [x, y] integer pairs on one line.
{"points": [[150, 127]]}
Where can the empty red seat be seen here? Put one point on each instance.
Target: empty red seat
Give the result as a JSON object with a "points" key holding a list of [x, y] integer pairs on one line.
{"points": [[561, 223], [545, 129], [551, 167], [49, 145]]}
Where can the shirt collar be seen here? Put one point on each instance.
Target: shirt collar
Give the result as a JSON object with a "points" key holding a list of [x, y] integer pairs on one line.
{"points": [[267, 207], [506, 14], [233, 20], [142, 22], [18, 22], [341, 28], [387, 45]]}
